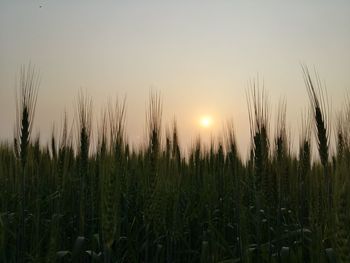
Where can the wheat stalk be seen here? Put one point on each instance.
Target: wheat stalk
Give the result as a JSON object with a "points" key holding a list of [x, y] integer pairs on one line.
{"points": [[29, 81]]}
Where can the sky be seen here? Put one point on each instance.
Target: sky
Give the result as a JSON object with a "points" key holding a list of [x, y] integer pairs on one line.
{"points": [[200, 55]]}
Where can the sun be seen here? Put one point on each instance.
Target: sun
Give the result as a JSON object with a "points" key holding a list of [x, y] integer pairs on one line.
{"points": [[206, 121]]}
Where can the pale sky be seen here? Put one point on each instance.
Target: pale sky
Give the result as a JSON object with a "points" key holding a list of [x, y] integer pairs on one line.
{"points": [[199, 54]]}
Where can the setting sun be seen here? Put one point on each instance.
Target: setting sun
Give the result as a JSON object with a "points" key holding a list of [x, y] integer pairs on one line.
{"points": [[206, 121]]}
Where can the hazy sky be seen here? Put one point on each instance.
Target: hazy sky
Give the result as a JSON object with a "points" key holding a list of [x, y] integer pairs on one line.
{"points": [[199, 54]]}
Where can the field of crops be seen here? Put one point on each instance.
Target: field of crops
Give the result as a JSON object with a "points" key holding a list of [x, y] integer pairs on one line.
{"points": [[74, 201]]}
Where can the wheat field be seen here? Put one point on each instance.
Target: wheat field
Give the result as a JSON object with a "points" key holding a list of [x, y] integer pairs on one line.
{"points": [[75, 201]]}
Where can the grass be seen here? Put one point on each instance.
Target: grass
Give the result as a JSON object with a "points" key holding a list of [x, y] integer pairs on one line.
{"points": [[69, 202]]}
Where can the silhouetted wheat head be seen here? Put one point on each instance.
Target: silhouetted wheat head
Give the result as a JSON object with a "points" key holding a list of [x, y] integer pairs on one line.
{"points": [[29, 81], [258, 110], [154, 124], [320, 110]]}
